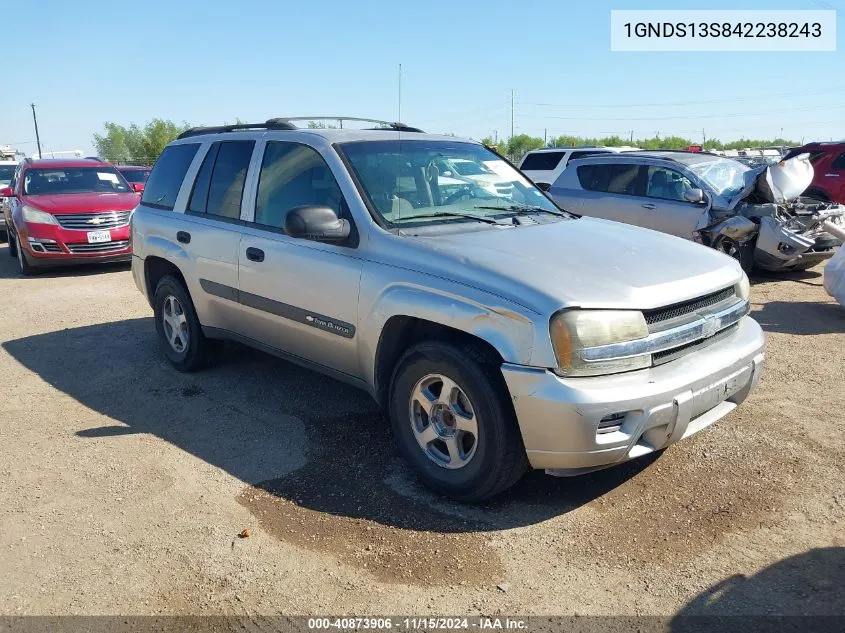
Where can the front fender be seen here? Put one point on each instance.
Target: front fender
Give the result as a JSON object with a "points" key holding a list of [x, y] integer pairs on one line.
{"points": [[510, 332], [737, 228]]}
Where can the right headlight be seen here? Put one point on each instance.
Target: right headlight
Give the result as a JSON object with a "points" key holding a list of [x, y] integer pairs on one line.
{"points": [[36, 216], [573, 331]]}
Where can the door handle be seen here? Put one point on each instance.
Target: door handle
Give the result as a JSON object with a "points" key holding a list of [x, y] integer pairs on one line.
{"points": [[183, 237], [254, 254], [647, 206]]}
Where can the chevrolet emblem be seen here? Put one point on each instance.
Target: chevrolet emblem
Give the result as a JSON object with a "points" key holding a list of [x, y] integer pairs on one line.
{"points": [[97, 220]]}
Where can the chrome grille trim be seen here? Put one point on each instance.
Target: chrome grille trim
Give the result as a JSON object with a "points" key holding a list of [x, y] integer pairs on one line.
{"points": [[666, 313], [93, 221], [103, 247], [702, 327]]}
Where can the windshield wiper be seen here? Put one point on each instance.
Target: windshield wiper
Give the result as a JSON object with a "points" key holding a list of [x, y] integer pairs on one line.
{"points": [[524, 209], [442, 214]]}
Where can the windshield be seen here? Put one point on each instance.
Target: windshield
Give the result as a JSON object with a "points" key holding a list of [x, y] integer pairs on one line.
{"points": [[6, 173], [136, 175], [723, 175], [404, 180], [51, 181]]}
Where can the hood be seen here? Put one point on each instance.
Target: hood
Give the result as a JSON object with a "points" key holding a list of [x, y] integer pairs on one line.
{"points": [[84, 202], [586, 262], [780, 182]]}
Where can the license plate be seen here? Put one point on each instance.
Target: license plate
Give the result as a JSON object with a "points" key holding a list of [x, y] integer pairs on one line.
{"points": [[97, 237]]}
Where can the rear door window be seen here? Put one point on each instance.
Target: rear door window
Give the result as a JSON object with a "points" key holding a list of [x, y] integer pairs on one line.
{"points": [[219, 186], [619, 178], [541, 161], [839, 163], [167, 175]]}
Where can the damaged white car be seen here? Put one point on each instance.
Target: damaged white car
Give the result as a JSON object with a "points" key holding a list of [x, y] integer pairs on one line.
{"points": [[756, 216]]}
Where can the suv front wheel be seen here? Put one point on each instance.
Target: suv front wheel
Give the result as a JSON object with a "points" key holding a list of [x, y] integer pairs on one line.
{"points": [[178, 327], [454, 423]]}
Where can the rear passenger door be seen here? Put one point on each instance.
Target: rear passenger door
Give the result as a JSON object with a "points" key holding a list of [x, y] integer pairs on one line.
{"points": [[612, 191], [667, 207], [299, 296], [210, 231]]}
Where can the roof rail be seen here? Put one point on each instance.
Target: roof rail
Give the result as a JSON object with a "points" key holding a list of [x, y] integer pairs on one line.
{"points": [[272, 124], [388, 125], [95, 158]]}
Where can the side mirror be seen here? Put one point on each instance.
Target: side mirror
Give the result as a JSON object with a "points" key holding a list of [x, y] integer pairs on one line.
{"points": [[446, 173], [6, 192], [137, 187], [694, 195], [316, 223], [543, 186]]}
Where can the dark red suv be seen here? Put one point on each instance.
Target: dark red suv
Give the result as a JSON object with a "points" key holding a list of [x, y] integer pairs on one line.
{"points": [[828, 161], [68, 212], [136, 176]]}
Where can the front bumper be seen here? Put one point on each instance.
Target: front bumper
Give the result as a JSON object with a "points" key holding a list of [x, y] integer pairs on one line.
{"points": [[559, 417], [49, 245]]}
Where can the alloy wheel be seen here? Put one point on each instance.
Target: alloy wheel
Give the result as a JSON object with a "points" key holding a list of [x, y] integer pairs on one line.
{"points": [[175, 324], [443, 421]]}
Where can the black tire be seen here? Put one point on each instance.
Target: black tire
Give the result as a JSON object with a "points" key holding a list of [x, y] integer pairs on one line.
{"points": [[4, 236], [23, 262], [499, 458], [199, 350], [742, 252], [13, 245]]}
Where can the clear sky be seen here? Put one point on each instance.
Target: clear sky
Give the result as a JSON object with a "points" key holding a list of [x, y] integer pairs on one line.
{"points": [[85, 62]]}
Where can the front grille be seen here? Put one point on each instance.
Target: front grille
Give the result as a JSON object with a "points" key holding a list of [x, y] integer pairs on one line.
{"points": [[104, 247], [93, 221], [687, 307], [658, 358]]}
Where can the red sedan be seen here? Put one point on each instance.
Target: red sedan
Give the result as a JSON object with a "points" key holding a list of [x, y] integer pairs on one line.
{"points": [[63, 212]]}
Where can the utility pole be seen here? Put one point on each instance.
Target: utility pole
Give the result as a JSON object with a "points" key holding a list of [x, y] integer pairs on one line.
{"points": [[495, 137], [37, 138], [512, 117], [399, 120], [703, 138], [545, 141], [632, 137]]}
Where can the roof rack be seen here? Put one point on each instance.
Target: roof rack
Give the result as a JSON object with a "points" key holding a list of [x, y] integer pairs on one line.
{"points": [[383, 125], [285, 123]]}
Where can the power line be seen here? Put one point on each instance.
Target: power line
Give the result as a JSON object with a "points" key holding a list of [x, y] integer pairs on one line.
{"points": [[683, 116], [767, 97]]}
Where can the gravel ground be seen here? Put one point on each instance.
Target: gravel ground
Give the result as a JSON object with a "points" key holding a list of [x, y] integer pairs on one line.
{"points": [[125, 485]]}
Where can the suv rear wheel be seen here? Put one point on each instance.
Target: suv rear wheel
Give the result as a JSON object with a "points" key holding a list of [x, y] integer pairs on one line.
{"points": [[454, 423], [178, 327]]}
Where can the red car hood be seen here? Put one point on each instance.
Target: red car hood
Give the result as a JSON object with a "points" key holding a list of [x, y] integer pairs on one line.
{"points": [[84, 202]]}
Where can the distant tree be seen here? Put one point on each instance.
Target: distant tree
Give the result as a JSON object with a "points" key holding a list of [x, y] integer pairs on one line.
{"points": [[319, 125], [518, 145], [136, 144]]}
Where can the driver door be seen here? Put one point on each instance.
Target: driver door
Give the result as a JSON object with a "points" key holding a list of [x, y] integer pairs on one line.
{"points": [[666, 207]]}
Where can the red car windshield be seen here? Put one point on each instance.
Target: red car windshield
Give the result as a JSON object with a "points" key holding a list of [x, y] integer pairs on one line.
{"points": [[52, 181], [136, 175]]}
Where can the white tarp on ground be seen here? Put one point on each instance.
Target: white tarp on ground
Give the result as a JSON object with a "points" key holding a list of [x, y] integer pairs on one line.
{"points": [[834, 276], [834, 272]]}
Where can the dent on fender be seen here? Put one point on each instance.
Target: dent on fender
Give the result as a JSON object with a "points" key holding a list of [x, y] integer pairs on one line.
{"points": [[508, 331]]}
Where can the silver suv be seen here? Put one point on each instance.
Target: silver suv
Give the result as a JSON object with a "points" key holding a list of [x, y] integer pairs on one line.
{"points": [[497, 331]]}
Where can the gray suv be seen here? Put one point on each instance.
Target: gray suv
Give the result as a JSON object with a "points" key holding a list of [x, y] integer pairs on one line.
{"points": [[497, 332]]}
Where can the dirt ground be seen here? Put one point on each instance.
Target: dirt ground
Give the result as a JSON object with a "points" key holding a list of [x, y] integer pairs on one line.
{"points": [[125, 484]]}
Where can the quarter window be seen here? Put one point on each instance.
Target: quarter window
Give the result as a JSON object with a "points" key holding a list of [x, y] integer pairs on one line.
{"points": [[167, 175], [293, 175], [839, 163], [541, 161]]}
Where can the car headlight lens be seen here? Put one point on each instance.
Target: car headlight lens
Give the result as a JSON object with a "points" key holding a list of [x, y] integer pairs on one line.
{"points": [[36, 216], [743, 288], [574, 330]]}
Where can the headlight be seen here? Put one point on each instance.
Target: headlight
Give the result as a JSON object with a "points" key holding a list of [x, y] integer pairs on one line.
{"points": [[572, 331], [743, 288], [31, 214]]}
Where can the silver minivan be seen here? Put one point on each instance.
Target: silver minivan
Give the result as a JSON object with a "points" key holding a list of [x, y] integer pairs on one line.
{"points": [[755, 215]]}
